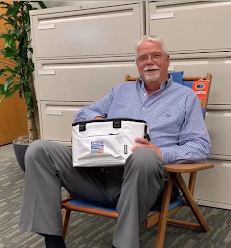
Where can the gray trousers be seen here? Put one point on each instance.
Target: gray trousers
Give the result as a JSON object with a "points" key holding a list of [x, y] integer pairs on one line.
{"points": [[132, 189]]}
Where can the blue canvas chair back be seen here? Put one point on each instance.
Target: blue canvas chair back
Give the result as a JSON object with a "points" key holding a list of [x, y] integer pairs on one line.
{"points": [[201, 85]]}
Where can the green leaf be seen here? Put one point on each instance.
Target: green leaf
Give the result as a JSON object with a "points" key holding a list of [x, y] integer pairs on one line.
{"points": [[12, 11], [3, 36], [2, 71], [20, 93], [8, 39], [8, 82], [20, 20], [2, 91], [10, 53], [11, 21], [18, 3], [8, 94], [17, 86], [16, 32], [2, 51], [25, 52], [15, 19], [9, 70], [10, 30], [32, 108], [29, 7], [28, 97], [13, 45], [19, 62]]}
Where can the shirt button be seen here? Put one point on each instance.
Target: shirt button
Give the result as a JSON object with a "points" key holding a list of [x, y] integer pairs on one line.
{"points": [[144, 94], [143, 108]]}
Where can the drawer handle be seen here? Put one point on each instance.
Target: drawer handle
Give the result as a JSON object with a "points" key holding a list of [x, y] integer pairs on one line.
{"points": [[46, 26], [162, 16], [54, 112], [47, 72]]}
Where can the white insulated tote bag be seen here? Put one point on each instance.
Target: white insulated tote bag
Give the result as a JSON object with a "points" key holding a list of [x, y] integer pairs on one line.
{"points": [[105, 142]]}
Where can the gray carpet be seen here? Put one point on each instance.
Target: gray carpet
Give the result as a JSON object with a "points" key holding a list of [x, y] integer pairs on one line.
{"points": [[89, 231]]}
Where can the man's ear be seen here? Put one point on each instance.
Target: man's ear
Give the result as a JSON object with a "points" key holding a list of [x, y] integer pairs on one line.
{"points": [[136, 62], [168, 59]]}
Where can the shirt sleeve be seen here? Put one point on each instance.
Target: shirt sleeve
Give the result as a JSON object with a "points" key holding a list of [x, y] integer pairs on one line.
{"points": [[194, 142], [98, 108]]}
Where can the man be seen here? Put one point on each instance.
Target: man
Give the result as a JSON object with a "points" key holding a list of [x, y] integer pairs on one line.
{"points": [[178, 134]]}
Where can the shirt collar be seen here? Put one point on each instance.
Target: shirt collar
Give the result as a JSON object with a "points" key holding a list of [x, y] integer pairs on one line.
{"points": [[164, 85]]}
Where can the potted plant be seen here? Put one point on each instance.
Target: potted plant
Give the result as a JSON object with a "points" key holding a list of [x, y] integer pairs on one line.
{"points": [[18, 68]]}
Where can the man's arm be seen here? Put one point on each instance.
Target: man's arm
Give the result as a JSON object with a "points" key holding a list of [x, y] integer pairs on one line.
{"points": [[194, 143], [97, 110]]}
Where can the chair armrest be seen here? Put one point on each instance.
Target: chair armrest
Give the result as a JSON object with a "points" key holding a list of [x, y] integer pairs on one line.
{"points": [[187, 168], [67, 199]]}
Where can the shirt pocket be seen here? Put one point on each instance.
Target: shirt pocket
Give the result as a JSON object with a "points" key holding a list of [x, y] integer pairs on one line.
{"points": [[169, 118]]}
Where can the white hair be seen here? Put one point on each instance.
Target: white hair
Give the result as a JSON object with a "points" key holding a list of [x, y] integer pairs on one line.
{"points": [[152, 38]]}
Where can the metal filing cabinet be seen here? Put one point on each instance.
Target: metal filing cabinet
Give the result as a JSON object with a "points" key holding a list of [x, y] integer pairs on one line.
{"points": [[81, 52]]}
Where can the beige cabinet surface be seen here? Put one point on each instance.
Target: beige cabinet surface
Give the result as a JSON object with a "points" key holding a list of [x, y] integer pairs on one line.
{"points": [[213, 186], [92, 32], [72, 80], [191, 27], [220, 68], [218, 123], [57, 119]]}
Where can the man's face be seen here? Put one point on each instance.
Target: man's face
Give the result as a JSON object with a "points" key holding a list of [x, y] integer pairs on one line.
{"points": [[152, 62]]}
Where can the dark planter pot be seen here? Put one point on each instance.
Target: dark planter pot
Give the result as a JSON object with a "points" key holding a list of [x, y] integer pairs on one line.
{"points": [[20, 150]]}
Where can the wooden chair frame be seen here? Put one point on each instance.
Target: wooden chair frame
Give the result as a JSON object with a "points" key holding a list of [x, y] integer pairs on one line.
{"points": [[173, 172]]}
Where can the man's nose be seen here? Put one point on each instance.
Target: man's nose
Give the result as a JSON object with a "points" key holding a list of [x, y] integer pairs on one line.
{"points": [[150, 61]]}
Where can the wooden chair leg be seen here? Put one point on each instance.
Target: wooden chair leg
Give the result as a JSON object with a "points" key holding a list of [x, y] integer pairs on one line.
{"points": [[191, 202], [164, 214], [66, 217], [192, 182]]}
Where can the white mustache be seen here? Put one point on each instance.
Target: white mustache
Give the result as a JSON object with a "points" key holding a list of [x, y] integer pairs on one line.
{"points": [[151, 67]]}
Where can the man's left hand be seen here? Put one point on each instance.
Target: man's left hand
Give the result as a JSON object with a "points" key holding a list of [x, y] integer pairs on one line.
{"points": [[147, 144]]}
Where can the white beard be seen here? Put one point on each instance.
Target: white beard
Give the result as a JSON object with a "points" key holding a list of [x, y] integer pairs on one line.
{"points": [[152, 77]]}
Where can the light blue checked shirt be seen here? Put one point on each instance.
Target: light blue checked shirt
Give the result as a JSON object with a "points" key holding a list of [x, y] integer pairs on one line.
{"points": [[173, 115]]}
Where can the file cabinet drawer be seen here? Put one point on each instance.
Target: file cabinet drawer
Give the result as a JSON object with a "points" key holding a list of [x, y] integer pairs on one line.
{"points": [[189, 28], [220, 68], [218, 123], [103, 31], [57, 119], [213, 186], [80, 81]]}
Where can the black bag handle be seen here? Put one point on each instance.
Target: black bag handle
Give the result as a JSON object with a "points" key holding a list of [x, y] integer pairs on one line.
{"points": [[146, 135]]}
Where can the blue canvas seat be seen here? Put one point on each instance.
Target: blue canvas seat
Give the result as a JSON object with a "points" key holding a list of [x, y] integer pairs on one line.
{"points": [[159, 214]]}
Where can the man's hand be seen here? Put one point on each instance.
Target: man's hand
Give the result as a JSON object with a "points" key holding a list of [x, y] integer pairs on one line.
{"points": [[147, 144], [98, 118]]}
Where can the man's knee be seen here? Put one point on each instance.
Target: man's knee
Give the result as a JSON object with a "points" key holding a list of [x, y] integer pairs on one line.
{"points": [[145, 160], [35, 150], [36, 147]]}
